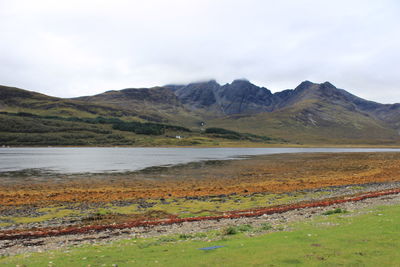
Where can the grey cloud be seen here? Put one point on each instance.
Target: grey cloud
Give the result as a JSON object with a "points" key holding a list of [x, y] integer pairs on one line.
{"points": [[71, 48]]}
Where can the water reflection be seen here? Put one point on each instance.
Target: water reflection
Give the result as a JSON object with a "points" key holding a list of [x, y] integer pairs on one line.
{"points": [[122, 159]]}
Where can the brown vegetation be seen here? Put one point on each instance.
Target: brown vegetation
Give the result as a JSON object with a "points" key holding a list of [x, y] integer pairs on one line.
{"points": [[145, 221], [272, 173]]}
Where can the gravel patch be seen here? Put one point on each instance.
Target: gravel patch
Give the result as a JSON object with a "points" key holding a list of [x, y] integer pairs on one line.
{"points": [[12, 247]]}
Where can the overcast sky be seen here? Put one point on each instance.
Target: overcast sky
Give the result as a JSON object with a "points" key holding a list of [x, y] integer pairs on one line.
{"points": [[73, 48]]}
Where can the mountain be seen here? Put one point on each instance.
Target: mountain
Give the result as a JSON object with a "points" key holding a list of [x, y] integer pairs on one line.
{"points": [[321, 114], [158, 104], [311, 113], [243, 97], [16, 100], [238, 97]]}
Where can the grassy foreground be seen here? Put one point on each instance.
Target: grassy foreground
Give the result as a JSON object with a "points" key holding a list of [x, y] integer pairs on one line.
{"points": [[339, 239]]}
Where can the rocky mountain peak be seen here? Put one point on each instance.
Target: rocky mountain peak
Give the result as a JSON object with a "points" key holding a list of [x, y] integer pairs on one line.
{"points": [[315, 86], [309, 89], [328, 85], [198, 95], [241, 81], [304, 85]]}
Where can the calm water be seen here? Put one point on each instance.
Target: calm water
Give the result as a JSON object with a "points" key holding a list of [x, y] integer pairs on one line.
{"points": [[96, 160]]}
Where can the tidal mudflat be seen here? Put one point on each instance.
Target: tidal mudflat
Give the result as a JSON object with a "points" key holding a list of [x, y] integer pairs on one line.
{"points": [[202, 188]]}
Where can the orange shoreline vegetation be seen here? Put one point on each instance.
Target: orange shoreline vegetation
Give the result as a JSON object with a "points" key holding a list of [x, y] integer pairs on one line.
{"points": [[57, 231], [270, 173]]}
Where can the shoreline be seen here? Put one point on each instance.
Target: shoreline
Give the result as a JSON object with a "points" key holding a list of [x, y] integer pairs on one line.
{"points": [[279, 221], [243, 145], [208, 190]]}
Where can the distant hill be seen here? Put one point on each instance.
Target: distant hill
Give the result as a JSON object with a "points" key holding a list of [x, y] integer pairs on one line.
{"points": [[309, 114], [15, 99]]}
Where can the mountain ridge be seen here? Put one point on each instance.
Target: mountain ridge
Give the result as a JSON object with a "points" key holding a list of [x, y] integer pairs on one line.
{"points": [[311, 112]]}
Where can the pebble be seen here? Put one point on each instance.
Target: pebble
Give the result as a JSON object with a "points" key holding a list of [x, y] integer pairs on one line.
{"points": [[12, 247]]}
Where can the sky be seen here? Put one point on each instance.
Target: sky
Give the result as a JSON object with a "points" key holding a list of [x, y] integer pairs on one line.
{"points": [[74, 48]]}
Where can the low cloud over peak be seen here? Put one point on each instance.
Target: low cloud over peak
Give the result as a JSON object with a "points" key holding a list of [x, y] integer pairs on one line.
{"points": [[71, 48]]}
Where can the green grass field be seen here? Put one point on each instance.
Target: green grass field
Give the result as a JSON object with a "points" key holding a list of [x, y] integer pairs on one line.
{"points": [[339, 239]]}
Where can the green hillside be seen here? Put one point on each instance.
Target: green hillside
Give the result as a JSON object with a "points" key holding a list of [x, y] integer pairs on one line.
{"points": [[26, 129], [312, 123], [311, 114]]}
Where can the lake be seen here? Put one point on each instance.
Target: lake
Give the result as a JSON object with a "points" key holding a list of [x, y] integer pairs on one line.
{"points": [[122, 159]]}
